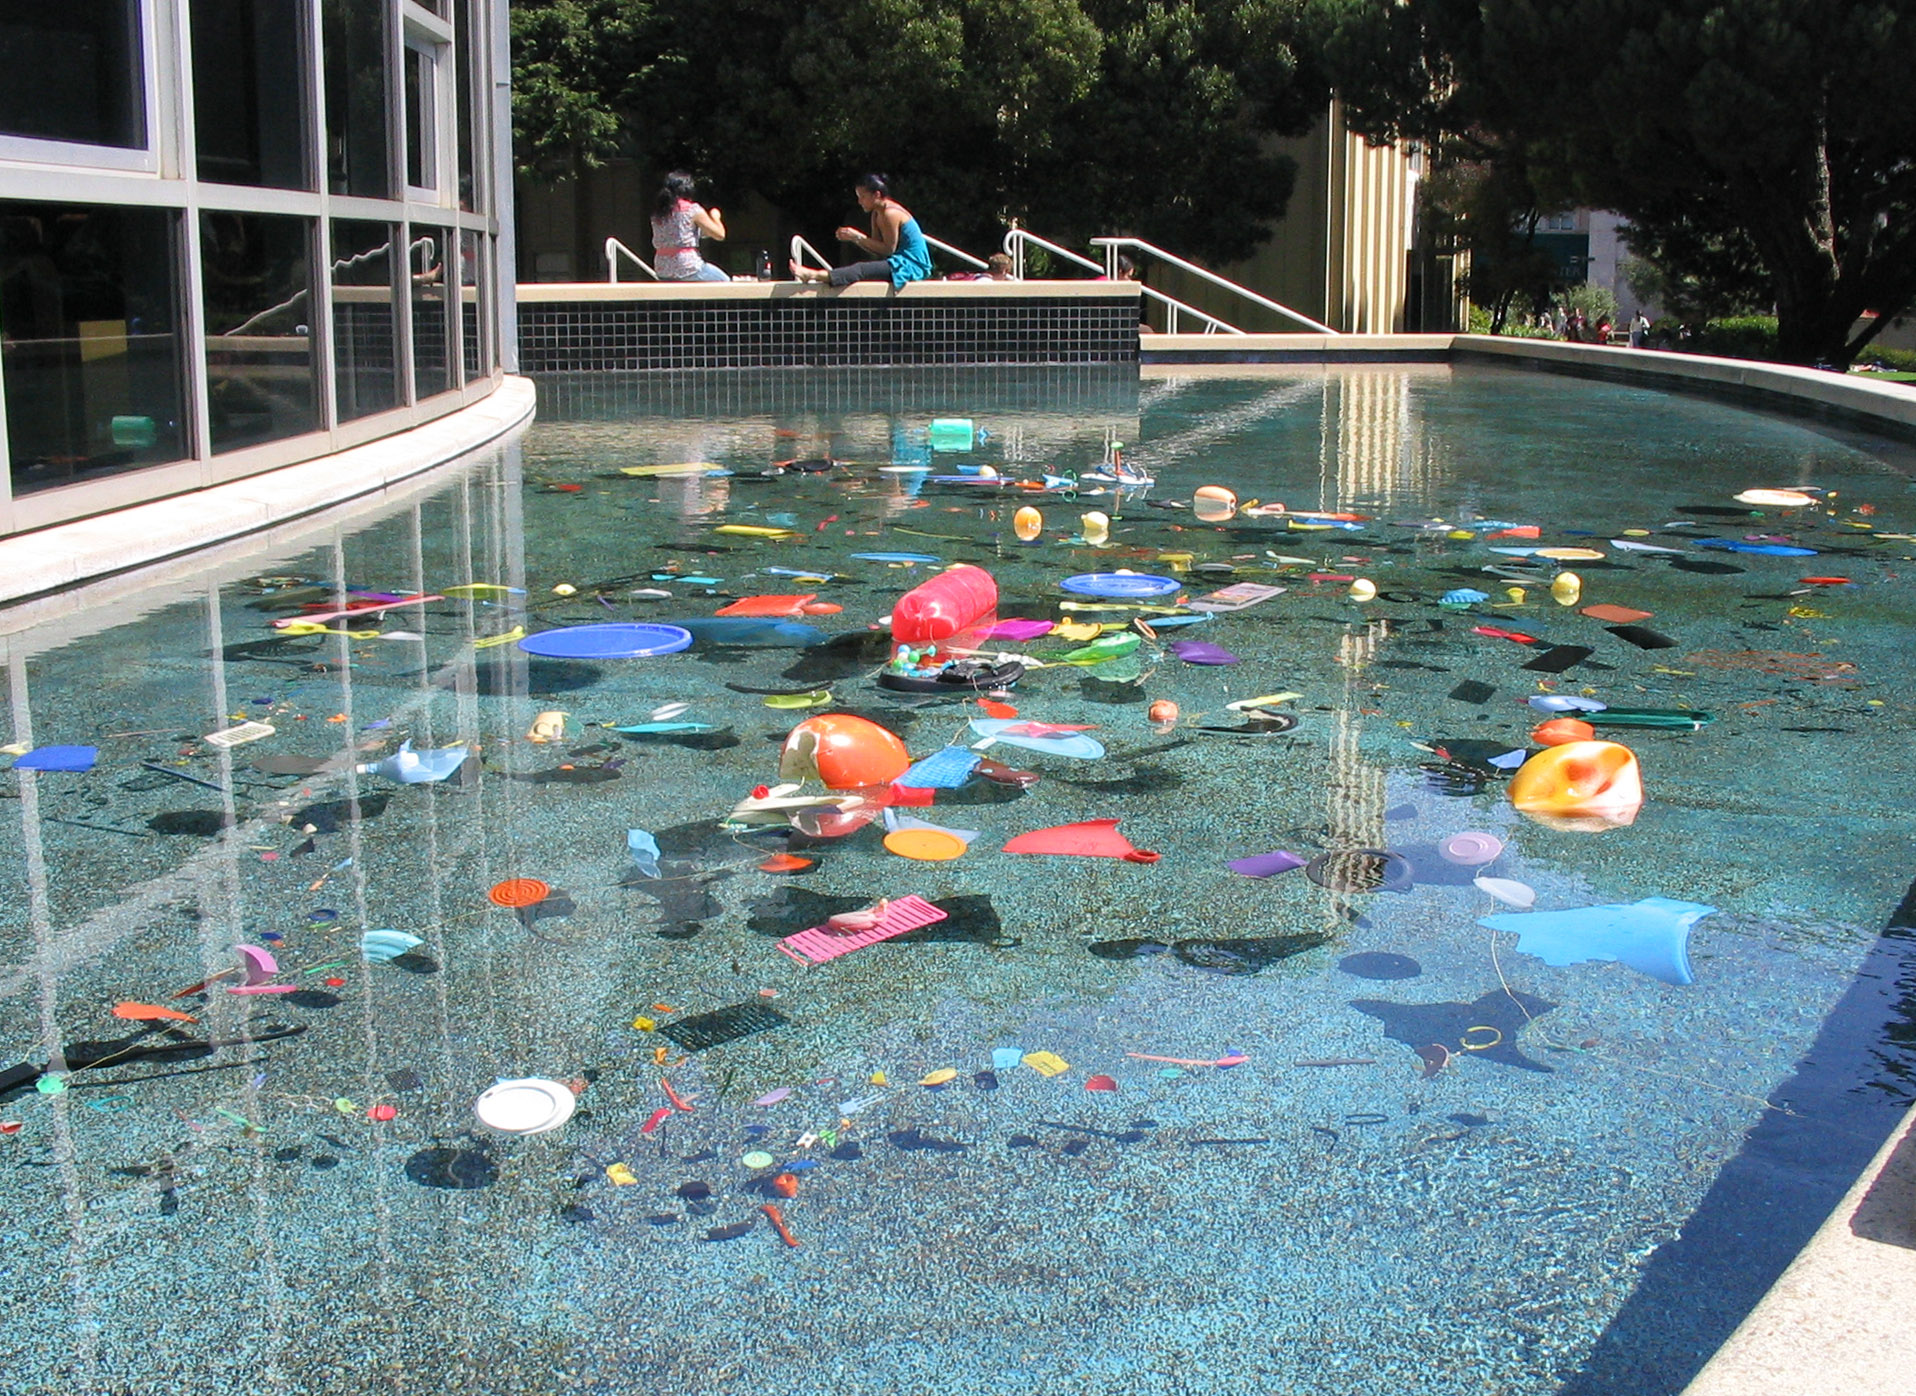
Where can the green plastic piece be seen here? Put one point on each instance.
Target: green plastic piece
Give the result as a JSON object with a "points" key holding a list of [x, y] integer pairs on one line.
{"points": [[1667, 719], [1105, 647]]}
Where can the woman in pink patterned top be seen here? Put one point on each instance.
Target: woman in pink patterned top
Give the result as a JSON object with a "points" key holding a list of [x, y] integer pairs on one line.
{"points": [[677, 224]]}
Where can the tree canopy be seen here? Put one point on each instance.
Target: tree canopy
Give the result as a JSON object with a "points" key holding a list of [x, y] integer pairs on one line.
{"points": [[1076, 117], [1749, 143]]}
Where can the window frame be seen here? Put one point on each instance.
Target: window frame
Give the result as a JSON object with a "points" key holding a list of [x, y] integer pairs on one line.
{"points": [[141, 159]]}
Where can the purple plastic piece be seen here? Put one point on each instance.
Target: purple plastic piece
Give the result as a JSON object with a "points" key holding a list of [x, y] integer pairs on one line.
{"points": [[1201, 652], [1265, 864], [1018, 630], [259, 965]]}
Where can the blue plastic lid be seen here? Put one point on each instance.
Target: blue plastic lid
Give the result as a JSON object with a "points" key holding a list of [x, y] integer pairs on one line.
{"points": [[635, 641], [1120, 584]]}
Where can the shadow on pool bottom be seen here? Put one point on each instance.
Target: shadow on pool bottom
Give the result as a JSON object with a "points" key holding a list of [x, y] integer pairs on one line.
{"points": [[1768, 1201]]}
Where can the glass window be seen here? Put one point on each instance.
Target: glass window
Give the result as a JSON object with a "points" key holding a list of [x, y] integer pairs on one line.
{"points": [[470, 280], [259, 344], [471, 105], [357, 156], [89, 340], [365, 318], [422, 117], [249, 93], [431, 337], [73, 72]]}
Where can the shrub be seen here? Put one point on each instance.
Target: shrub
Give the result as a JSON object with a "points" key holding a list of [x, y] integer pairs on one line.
{"points": [[1899, 360], [1738, 337]]}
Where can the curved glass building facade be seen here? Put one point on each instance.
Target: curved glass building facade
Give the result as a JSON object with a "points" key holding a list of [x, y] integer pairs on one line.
{"points": [[236, 234]]}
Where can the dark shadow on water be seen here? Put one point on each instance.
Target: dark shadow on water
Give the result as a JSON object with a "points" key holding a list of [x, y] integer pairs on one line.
{"points": [[1850, 1091], [460, 1170], [1246, 956], [1451, 1025]]}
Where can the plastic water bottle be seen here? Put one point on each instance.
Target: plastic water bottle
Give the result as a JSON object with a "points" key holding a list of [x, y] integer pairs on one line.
{"points": [[764, 265]]}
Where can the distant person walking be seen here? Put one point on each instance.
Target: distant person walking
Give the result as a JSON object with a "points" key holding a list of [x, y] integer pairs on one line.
{"points": [[677, 225], [1640, 331], [1576, 328], [895, 240]]}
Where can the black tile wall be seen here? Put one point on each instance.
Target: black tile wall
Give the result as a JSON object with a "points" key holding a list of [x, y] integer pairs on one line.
{"points": [[1091, 390], [818, 332]]}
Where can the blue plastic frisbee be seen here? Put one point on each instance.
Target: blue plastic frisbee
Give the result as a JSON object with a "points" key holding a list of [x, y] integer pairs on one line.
{"points": [[1120, 584], [608, 641]]}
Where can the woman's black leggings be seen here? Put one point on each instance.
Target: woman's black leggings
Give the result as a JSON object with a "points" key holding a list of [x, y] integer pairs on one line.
{"points": [[861, 271]]}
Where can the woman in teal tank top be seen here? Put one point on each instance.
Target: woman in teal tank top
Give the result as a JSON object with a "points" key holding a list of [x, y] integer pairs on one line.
{"points": [[895, 239]]}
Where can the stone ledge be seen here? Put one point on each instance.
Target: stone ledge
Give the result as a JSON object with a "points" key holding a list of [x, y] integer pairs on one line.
{"points": [[65, 555]]}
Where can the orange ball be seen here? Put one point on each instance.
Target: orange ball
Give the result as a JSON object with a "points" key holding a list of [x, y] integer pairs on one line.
{"points": [[1164, 710], [843, 752], [1559, 730]]}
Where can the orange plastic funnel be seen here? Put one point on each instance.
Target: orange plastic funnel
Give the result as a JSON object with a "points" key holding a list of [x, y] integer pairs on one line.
{"points": [[1560, 731], [843, 752], [1584, 786]]}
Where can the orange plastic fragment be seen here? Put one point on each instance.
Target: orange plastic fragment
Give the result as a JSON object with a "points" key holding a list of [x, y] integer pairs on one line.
{"points": [[784, 862], [769, 605], [1616, 615], [150, 1012], [1560, 730], [996, 709]]}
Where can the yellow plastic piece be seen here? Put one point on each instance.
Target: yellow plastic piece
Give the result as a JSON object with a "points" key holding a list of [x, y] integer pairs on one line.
{"points": [[878, 1079], [939, 1077], [1582, 786], [925, 845], [754, 531], [1046, 1063], [644, 1024], [1077, 630], [621, 1176], [1566, 589], [518, 632]]}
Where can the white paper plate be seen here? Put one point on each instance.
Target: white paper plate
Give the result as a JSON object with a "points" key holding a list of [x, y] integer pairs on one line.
{"points": [[528, 1106]]}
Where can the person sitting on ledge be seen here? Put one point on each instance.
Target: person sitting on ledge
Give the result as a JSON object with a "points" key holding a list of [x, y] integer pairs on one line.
{"points": [[895, 239]]}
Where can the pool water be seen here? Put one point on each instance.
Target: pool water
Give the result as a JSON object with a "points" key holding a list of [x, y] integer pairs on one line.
{"points": [[1603, 1175]]}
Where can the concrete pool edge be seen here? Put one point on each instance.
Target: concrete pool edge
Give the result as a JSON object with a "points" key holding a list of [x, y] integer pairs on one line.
{"points": [[1837, 1320], [69, 554]]}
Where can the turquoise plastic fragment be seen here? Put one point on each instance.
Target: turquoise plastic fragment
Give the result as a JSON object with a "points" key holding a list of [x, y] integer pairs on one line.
{"points": [[1651, 936]]}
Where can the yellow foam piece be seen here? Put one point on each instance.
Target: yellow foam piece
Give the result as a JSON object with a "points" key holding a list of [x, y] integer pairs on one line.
{"points": [[939, 1077], [1046, 1063], [925, 845]]}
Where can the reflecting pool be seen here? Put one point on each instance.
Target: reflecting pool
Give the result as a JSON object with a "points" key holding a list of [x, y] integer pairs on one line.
{"points": [[1319, 1131]]}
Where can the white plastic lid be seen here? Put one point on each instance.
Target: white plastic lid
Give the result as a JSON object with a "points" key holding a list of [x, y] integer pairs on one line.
{"points": [[531, 1105]]}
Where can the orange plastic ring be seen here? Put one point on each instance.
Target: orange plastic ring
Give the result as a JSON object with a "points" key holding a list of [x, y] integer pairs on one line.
{"points": [[519, 891]]}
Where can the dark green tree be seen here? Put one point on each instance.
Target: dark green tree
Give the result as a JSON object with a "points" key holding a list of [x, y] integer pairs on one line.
{"points": [[1734, 135], [1077, 117]]}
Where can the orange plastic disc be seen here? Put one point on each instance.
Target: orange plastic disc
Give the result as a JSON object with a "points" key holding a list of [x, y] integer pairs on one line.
{"points": [[784, 862], [519, 891], [925, 845]]}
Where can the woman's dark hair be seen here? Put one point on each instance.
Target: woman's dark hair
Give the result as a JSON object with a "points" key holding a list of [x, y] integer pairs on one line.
{"points": [[874, 184], [678, 185]]}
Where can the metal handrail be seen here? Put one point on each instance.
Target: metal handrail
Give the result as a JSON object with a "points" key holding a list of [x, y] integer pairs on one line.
{"points": [[426, 241], [613, 247], [1111, 246], [802, 248], [1016, 239], [957, 252]]}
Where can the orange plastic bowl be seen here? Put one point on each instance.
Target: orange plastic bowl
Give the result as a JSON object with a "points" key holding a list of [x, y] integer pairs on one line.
{"points": [[1584, 786]]}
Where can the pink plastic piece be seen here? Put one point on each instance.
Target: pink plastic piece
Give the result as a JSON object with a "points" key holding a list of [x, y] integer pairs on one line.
{"points": [[260, 966], [962, 599], [818, 945]]}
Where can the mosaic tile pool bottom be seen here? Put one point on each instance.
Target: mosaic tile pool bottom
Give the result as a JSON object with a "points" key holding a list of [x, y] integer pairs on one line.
{"points": [[1598, 1175]]}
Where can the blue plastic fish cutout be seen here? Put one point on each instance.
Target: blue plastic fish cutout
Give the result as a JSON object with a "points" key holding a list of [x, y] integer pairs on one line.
{"points": [[1160, 622], [58, 758], [942, 770], [1075, 744], [895, 557], [645, 851], [1731, 545], [643, 728], [1651, 936], [1465, 596], [382, 947], [410, 767]]}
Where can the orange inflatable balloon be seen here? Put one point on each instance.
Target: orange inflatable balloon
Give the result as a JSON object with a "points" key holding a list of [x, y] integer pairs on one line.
{"points": [[1560, 730], [843, 752], [1583, 786], [1027, 523]]}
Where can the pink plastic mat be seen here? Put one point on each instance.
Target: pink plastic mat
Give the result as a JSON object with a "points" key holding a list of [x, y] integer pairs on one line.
{"points": [[818, 945]]}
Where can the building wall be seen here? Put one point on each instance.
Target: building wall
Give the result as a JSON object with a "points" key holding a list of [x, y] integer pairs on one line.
{"points": [[235, 234]]}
